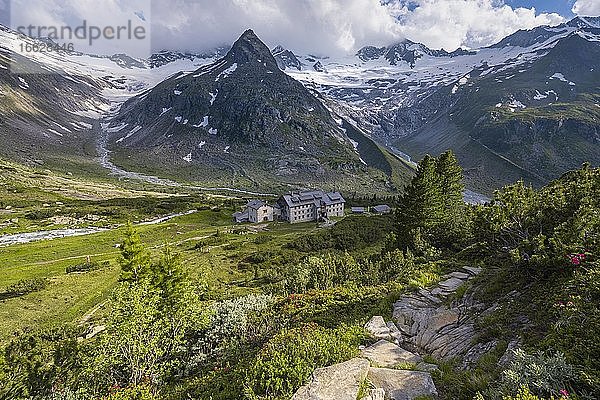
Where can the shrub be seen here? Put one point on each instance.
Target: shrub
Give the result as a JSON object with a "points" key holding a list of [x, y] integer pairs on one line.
{"points": [[132, 393], [87, 267], [37, 215], [332, 270], [352, 233], [236, 321], [543, 374], [26, 286], [36, 363], [286, 362], [523, 394]]}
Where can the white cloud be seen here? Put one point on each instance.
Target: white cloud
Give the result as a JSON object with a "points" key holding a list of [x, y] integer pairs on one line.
{"points": [[587, 7], [469, 23], [317, 26], [44, 15]]}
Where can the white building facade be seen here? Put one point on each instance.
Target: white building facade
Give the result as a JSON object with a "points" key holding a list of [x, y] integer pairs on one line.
{"points": [[311, 206]]}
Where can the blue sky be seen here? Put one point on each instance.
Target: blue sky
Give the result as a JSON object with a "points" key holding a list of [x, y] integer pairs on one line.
{"points": [[563, 7]]}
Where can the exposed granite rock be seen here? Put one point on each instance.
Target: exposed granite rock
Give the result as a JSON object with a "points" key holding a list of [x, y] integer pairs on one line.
{"points": [[389, 355], [444, 331], [378, 328], [338, 382], [402, 385]]}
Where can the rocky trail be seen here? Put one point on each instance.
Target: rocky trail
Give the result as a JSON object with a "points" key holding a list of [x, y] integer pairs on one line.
{"points": [[435, 322]]}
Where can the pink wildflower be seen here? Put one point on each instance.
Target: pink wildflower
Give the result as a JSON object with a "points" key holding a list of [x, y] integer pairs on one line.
{"points": [[564, 393], [576, 259]]}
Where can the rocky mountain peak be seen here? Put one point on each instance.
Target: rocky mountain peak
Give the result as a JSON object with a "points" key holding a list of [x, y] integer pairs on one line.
{"points": [[250, 49], [286, 58], [584, 22]]}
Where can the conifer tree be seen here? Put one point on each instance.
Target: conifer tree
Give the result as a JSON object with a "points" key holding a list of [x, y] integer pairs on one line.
{"points": [[421, 205], [135, 259], [168, 275], [450, 177]]}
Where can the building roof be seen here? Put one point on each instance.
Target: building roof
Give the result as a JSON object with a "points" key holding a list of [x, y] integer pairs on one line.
{"points": [[255, 204], [358, 210], [316, 197], [382, 208], [241, 216]]}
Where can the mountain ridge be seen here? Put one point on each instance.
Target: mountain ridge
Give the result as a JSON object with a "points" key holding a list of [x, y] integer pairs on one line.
{"points": [[241, 117]]}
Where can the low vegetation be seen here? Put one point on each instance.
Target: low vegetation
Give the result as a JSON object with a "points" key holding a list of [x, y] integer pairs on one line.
{"points": [[246, 312]]}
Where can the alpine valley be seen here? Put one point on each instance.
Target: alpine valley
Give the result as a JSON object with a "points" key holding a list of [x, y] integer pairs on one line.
{"points": [[527, 108], [252, 223]]}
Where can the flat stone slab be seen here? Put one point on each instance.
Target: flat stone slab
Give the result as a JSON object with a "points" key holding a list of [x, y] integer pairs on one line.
{"points": [[440, 292], [338, 382], [460, 275], [402, 385], [451, 284], [389, 355], [429, 296]]}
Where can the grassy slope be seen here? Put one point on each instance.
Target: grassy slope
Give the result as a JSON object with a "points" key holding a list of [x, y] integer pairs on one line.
{"points": [[68, 297]]}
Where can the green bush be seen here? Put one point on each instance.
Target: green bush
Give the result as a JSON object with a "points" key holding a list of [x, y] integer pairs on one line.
{"points": [[543, 374], [353, 233], [286, 362], [37, 215], [36, 363], [522, 394], [26, 286], [333, 270], [86, 267], [132, 393]]}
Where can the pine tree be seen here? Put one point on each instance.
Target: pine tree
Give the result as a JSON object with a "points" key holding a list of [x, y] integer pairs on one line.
{"points": [[451, 180], [450, 177], [421, 205], [168, 275], [135, 259]]}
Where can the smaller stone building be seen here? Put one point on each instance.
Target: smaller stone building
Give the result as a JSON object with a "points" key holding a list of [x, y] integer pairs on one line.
{"points": [[255, 211]]}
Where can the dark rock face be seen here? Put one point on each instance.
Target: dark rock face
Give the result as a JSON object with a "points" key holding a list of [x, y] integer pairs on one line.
{"points": [[286, 59], [526, 38], [371, 53], [405, 51], [319, 67], [249, 48]]}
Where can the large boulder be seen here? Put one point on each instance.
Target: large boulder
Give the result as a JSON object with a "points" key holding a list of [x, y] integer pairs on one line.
{"points": [[402, 385], [389, 355], [378, 328], [338, 382]]}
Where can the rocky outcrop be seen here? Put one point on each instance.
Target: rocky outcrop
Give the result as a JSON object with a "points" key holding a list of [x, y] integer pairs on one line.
{"points": [[338, 382], [378, 329], [389, 355], [437, 322], [402, 385], [432, 323]]}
